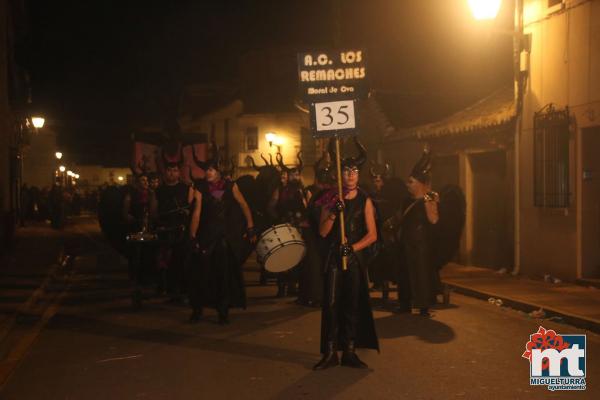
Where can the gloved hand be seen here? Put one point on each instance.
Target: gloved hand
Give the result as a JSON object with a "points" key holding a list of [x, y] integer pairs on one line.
{"points": [[431, 196], [193, 245], [338, 207], [250, 235], [346, 250]]}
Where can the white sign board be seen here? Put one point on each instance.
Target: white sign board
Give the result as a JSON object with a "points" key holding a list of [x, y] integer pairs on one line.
{"points": [[335, 116]]}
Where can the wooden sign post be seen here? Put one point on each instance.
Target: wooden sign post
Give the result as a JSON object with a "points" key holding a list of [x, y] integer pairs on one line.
{"points": [[332, 82]]}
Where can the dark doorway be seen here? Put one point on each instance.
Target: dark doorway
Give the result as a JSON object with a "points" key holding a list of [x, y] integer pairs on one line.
{"points": [[590, 207], [492, 239], [444, 171]]}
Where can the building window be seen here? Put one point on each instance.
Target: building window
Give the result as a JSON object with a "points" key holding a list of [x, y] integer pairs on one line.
{"points": [[251, 138], [551, 157]]}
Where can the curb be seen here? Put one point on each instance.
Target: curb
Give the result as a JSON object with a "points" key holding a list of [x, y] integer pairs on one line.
{"points": [[571, 319]]}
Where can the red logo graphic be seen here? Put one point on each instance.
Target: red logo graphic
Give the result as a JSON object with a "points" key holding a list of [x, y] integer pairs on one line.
{"points": [[545, 339]]}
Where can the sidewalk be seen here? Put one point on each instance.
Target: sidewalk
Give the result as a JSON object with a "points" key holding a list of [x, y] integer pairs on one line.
{"points": [[574, 304], [24, 271]]}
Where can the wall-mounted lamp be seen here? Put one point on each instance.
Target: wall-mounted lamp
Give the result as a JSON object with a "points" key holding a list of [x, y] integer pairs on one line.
{"points": [[271, 138], [38, 122]]}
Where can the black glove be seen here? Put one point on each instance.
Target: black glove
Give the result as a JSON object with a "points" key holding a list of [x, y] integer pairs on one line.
{"points": [[338, 207], [346, 250], [193, 245]]}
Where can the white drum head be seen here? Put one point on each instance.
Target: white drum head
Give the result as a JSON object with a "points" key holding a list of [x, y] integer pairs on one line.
{"points": [[285, 257]]}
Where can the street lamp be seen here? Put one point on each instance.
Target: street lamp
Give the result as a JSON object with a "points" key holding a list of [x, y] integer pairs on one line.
{"points": [[485, 9], [58, 155], [38, 122], [271, 137], [62, 168]]}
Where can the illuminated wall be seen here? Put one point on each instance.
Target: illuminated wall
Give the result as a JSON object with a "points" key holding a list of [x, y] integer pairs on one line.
{"points": [[565, 71]]}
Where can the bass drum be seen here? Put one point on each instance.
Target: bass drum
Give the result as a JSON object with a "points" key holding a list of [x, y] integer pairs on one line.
{"points": [[280, 248]]}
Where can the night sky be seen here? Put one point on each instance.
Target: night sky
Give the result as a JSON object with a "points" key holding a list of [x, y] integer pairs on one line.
{"points": [[100, 68]]}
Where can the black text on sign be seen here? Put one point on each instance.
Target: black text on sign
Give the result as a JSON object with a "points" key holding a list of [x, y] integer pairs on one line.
{"points": [[335, 115]]}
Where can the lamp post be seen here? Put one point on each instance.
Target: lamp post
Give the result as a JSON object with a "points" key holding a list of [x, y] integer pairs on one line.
{"points": [[486, 10]]}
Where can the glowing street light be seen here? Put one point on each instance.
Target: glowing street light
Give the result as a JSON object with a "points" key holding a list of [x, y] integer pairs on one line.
{"points": [[76, 176], [120, 179], [58, 155], [271, 138], [485, 9], [38, 122], [62, 168], [70, 173]]}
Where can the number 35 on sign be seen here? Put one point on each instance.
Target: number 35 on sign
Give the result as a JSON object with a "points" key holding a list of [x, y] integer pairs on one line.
{"points": [[334, 116]]}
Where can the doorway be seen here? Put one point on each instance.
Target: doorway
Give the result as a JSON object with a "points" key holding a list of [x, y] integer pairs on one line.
{"points": [[492, 238], [590, 203]]}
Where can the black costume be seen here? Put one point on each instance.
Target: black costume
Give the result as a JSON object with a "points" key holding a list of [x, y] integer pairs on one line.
{"points": [[346, 318], [142, 254], [385, 265], [417, 246], [290, 209], [173, 219], [215, 267], [347, 315], [216, 278], [310, 287]]}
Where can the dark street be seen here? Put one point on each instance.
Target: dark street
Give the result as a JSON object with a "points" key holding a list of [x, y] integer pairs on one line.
{"points": [[91, 345]]}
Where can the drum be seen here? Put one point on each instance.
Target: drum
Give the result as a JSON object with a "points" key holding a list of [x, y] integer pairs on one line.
{"points": [[280, 248]]}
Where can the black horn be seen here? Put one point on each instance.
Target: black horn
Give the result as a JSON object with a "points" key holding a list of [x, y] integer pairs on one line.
{"points": [[362, 152], [265, 160], [199, 163], [300, 162], [372, 170], [252, 163], [280, 162]]}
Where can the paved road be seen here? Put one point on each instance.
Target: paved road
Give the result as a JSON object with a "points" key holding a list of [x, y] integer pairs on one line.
{"points": [[91, 345]]}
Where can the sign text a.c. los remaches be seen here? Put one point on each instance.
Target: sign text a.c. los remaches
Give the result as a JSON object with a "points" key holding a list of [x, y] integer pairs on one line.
{"points": [[332, 74]]}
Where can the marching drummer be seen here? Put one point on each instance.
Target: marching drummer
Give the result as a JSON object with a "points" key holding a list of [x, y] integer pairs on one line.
{"points": [[139, 209], [288, 205]]}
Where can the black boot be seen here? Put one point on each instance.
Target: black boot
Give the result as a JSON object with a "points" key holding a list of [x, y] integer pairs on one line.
{"points": [[223, 317], [136, 299], [196, 315], [330, 358], [281, 290], [350, 359], [385, 291]]}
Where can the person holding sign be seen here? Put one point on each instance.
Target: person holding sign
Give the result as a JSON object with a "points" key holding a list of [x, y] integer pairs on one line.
{"points": [[347, 320]]}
